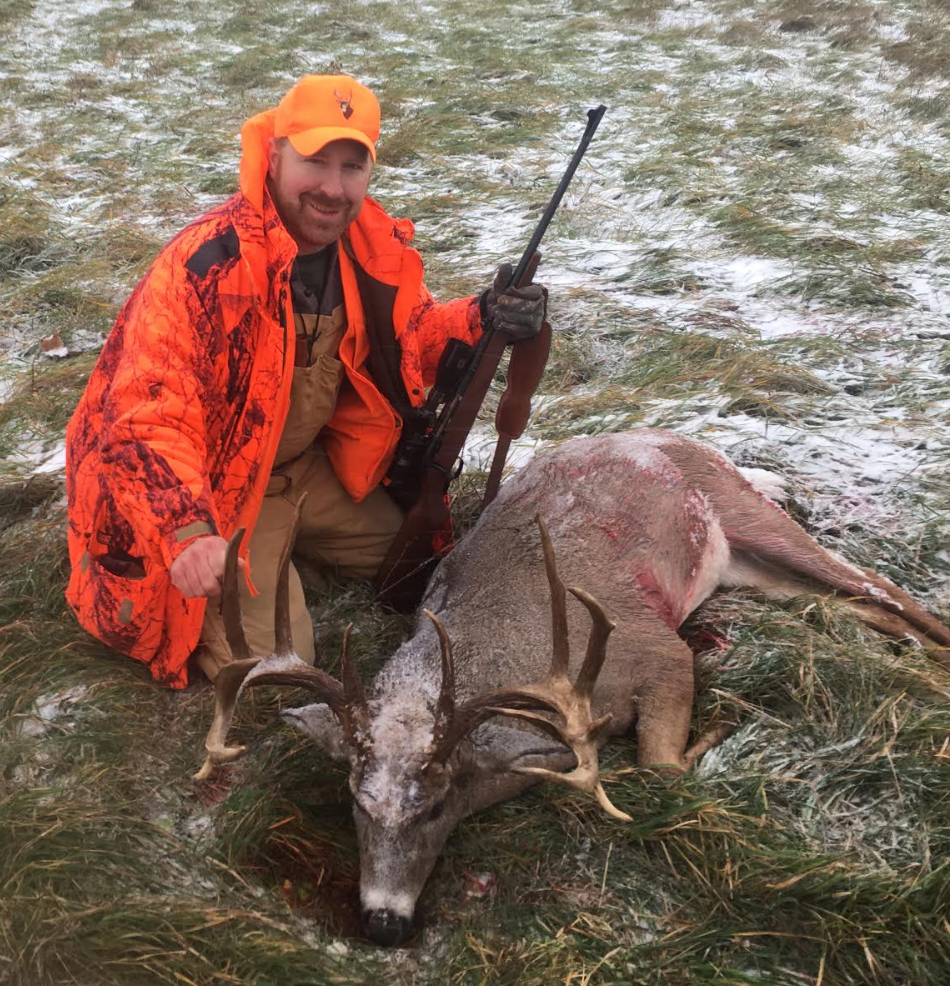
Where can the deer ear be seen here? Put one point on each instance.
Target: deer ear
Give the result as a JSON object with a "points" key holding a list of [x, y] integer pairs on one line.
{"points": [[322, 726], [494, 748]]}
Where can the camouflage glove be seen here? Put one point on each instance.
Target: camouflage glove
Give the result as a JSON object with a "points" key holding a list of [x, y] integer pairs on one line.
{"points": [[517, 312]]}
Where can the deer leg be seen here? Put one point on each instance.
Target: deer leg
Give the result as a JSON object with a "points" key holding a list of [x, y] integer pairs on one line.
{"points": [[759, 529], [770, 579], [708, 741], [662, 664], [895, 626]]}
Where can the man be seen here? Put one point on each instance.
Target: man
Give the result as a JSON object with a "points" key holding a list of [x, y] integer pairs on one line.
{"points": [[273, 349]]}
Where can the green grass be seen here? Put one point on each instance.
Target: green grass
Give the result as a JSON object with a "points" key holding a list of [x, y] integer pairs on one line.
{"points": [[811, 137]]}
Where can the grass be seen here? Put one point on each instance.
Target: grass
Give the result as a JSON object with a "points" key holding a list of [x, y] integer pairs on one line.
{"points": [[807, 141]]}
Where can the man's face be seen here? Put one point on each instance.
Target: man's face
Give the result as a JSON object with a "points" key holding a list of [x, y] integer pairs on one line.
{"points": [[317, 197]]}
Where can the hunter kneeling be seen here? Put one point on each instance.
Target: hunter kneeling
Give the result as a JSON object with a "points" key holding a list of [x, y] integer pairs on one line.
{"points": [[203, 414]]}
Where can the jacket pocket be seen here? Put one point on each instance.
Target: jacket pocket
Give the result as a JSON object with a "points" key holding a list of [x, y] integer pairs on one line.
{"points": [[127, 613]]}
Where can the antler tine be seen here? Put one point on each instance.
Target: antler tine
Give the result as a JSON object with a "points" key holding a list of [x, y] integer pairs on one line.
{"points": [[226, 687], [476, 710], [580, 737], [600, 630], [352, 686], [228, 682], [560, 659], [608, 805], [445, 710], [355, 711], [231, 601], [283, 638]]}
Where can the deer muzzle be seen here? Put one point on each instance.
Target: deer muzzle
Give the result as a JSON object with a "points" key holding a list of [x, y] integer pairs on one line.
{"points": [[386, 927], [393, 873]]}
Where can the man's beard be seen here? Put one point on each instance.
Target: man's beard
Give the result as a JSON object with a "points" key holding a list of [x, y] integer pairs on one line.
{"points": [[310, 231]]}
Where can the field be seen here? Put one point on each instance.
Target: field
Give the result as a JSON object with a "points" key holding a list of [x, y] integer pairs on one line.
{"points": [[756, 251]]}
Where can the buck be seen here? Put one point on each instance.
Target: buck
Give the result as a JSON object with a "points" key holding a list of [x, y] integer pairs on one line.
{"points": [[478, 704]]}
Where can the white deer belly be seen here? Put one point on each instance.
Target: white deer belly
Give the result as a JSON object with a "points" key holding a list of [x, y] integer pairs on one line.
{"points": [[676, 581], [712, 563]]}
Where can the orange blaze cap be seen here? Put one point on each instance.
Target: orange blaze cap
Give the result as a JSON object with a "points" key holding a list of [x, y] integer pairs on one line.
{"points": [[323, 108]]}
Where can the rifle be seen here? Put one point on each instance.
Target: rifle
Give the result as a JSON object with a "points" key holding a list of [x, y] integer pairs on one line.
{"points": [[427, 458]]}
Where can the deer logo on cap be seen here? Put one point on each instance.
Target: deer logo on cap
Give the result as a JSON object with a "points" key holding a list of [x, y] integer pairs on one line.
{"points": [[346, 103]]}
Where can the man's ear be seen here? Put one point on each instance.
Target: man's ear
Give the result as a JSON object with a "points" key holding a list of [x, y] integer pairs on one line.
{"points": [[273, 155]]}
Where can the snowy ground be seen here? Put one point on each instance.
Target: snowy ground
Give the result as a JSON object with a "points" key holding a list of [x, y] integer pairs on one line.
{"points": [[755, 251]]}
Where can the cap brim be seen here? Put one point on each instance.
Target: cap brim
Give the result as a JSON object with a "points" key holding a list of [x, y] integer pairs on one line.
{"points": [[310, 141]]}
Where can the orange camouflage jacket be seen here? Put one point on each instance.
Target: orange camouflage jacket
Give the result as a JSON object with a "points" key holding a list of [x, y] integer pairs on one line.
{"points": [[176, 432]]}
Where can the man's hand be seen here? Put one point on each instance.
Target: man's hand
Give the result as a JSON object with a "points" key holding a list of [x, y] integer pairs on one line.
{"points": [[199, 569], [518, 312]]}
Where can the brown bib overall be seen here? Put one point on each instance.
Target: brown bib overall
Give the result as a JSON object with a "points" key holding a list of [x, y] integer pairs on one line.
{"points": [[337, 537]]}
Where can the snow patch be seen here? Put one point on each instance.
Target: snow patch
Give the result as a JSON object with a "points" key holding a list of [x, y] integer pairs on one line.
{"points": [[50, 710]]}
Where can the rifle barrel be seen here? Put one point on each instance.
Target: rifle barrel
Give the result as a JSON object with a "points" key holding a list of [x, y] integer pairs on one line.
{"points": [[594, 117]]}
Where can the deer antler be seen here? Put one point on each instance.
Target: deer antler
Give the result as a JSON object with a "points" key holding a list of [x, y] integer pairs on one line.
{"points": [[553, 694], [283, 667]]}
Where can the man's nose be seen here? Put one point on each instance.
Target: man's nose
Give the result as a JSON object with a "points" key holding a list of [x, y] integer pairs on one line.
{"points": [[331, 183]]}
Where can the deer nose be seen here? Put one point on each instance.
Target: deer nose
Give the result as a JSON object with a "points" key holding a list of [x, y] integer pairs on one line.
{"points": [[386, 927]]}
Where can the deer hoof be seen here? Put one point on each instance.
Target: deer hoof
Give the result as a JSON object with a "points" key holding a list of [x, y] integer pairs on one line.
{"points": [[385, 927]]}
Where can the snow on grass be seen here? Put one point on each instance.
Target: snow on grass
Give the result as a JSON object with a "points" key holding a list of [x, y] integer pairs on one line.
{"points": [[51, 710], [51, 462], [755, 251]]}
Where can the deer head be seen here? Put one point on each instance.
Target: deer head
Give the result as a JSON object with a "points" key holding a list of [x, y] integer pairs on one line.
{"points": [[423, 762]]}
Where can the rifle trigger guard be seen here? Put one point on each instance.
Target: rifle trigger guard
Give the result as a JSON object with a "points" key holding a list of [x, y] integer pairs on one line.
{"points": [[452, 473]]}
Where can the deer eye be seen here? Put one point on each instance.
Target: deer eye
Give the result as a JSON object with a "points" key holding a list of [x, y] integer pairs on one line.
{"points": [[436, 811]]}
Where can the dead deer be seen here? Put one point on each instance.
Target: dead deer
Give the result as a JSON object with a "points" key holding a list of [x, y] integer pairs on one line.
{"points": [[649, 523]]}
